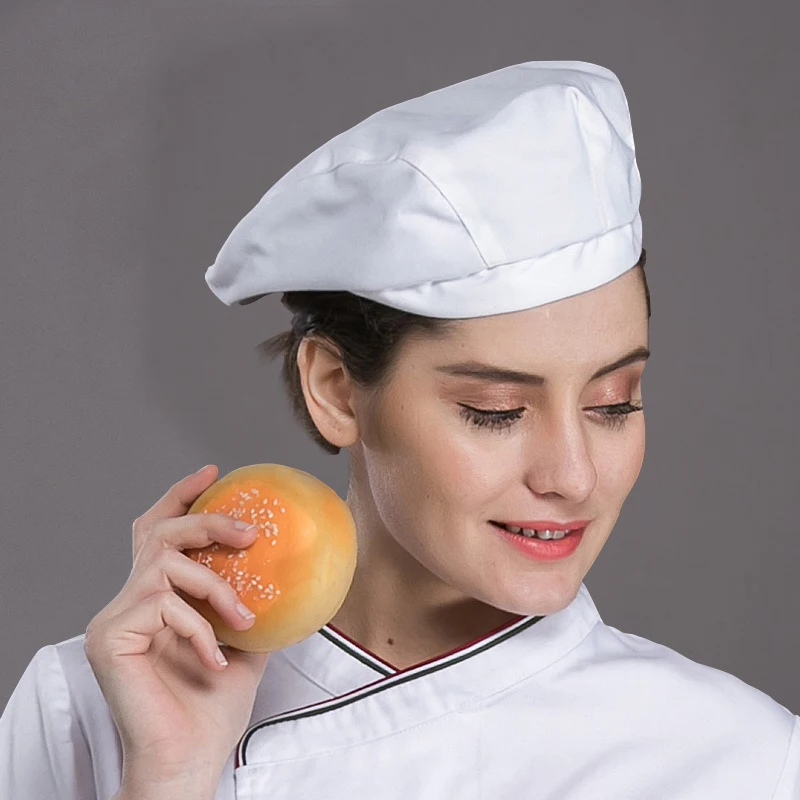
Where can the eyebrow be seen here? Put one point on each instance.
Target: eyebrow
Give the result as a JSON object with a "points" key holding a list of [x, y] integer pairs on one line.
{"points": [[488, 372]]}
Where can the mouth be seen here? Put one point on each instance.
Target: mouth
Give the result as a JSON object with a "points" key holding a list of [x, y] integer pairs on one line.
{"points": [[544, 533]]}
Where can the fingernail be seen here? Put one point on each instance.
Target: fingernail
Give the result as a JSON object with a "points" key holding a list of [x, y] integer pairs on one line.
{"points": [[221, 660], [244, 611], [201, 469], [244, 526]]}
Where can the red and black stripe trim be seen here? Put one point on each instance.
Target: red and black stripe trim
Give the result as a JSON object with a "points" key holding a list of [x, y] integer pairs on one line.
{"points": [[382, 684], [341, 641]]}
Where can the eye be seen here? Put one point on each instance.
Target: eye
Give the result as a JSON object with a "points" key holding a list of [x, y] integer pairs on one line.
{"points": [[493, 419], [614, 416]]}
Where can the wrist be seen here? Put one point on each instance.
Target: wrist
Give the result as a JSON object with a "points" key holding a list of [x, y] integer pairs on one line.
{"points": [[164, 791], [142, 783]]}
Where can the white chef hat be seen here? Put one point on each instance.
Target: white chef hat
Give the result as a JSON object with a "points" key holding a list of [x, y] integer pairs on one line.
{"points": [[499, 193]]}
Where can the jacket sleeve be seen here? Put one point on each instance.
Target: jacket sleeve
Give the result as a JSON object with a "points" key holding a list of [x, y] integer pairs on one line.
{"points": [[43, 751], [788, 787]]}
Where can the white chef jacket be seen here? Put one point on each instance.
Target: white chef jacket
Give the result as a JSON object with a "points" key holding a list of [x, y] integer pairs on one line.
{"points": [[560, 707]]}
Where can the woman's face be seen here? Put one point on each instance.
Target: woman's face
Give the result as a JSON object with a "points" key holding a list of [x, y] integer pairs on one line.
{"points": [[437, 478]]}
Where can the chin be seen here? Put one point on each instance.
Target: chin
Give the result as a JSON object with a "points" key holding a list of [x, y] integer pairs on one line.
{"points": [[553, 605], [540, 596]]}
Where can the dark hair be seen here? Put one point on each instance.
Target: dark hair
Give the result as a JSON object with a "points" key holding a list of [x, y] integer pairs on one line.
{"points": [[366, 334]]}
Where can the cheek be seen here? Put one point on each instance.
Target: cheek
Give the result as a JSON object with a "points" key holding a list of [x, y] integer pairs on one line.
{"points": [[455, 467], [437, 465], [619, 466]]}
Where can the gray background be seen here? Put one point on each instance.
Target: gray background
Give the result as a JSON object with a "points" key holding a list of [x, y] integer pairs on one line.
{"points": [[135, 135]]}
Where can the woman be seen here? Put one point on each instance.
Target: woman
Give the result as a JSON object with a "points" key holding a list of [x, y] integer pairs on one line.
{"points": [[470, 321]]}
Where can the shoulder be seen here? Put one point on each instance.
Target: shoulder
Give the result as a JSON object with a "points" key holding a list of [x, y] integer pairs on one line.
{"points": [[69, 659], [56, 671], [649, 696], [57, 737], [684, 691], [62, 678]]}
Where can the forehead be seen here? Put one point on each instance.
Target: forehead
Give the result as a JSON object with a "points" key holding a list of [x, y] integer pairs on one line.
{"points": [[601, 322]]}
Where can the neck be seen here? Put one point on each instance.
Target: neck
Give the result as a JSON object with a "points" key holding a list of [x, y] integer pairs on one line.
{"points": [[399, 610]]}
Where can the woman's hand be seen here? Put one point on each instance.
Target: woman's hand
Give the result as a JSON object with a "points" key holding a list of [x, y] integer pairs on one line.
{"points": [[179, 713]]}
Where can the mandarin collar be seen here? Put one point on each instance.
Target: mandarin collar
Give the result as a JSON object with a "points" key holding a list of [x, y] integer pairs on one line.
{"points": [[504, 657]]}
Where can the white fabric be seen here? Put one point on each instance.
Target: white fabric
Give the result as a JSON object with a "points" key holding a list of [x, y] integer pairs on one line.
{"points": [[562, 707], [499, 193]]}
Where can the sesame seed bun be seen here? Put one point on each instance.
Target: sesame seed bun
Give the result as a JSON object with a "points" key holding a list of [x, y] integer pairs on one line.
{"points": [[296, 574]]}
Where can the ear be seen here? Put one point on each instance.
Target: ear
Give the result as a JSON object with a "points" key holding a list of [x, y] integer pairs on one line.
{"points": [[328, 391]]}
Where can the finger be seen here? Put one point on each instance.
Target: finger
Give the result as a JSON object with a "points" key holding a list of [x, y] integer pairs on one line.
{"points": [[195, 530], [173, 570], [131, 632], [175, 502], [203, 530]]}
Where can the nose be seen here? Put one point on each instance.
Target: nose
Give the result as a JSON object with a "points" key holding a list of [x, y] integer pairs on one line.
{"points": [[561, 463]]}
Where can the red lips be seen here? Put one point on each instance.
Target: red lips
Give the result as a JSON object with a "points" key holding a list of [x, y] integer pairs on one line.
{"points": [[549, 525]]}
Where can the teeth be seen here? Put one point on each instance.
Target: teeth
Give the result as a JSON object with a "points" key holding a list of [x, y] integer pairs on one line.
{"points": [[529, 532]]}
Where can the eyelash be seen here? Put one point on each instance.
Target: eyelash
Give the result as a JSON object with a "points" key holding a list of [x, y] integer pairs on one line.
{"points": [[614, 416]]}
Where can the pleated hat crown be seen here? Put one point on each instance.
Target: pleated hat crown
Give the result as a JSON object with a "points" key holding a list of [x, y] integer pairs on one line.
{"points": [[500, 193]]}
